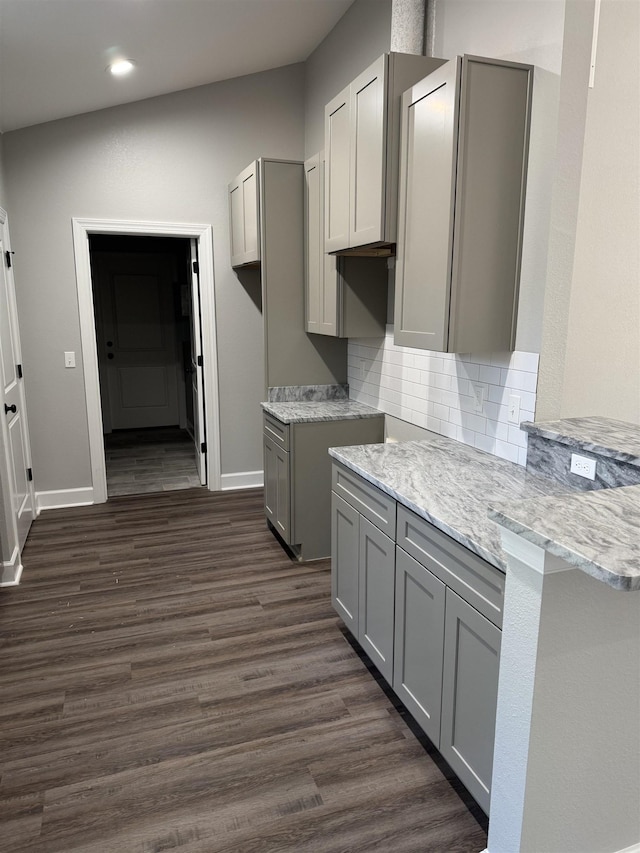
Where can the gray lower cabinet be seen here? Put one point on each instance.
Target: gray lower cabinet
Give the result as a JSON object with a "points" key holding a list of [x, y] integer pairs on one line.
{"points": [[362, 582], [419, 642], [376, 594], [297, 477], [345, 546], [428, 619], [277, 487], [469, 695]]}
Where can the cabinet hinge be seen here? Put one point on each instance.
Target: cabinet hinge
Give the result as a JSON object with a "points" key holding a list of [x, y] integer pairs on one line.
{"points": [[196, 267], [7, 258], [29, 474], [199, 361], [19, 370], [203, 447]]}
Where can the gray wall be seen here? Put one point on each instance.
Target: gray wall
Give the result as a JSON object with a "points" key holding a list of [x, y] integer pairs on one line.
{"points": [[590, 362], [362, 34], [3, 192], [529, 31], [165, 159]]}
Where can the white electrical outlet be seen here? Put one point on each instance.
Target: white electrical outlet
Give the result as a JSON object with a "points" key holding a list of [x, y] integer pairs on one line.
{"points": [[583, 466], [513, 415], [69, 359]]}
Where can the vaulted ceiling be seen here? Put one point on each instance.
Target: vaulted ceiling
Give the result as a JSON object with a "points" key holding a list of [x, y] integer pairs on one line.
{"points": [[54, 53]]}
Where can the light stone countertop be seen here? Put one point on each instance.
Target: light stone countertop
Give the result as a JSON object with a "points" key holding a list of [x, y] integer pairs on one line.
{"points": [[449, 484], [617, 439], [598, 532], [326, 410]]}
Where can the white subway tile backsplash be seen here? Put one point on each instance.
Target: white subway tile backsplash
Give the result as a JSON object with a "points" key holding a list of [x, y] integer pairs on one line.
{"points": [[490, 374], [434, 391]]}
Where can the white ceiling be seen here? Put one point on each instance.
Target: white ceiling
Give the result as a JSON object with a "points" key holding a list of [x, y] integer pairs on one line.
{"points": [[53, 53]]}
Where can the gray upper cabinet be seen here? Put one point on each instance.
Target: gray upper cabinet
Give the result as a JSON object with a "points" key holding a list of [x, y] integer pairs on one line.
{"points": [[345, 297], [321, 274], [463, 165], [243, 217], [362, 125]]}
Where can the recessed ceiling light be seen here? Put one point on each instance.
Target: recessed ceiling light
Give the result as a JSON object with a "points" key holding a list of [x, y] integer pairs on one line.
{"points": [[121, 67]]}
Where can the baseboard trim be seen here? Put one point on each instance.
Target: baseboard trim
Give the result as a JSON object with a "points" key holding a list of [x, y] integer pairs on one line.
{"points": [[63, 498], [11, 570], [242, 480]]}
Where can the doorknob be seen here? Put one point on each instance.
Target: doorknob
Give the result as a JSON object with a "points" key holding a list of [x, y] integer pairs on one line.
{"points": [[12, 408], [109, 355]]}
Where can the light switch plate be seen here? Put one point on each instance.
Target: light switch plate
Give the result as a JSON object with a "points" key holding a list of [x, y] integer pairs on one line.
{"points": [[69, 359], [513, 415]]}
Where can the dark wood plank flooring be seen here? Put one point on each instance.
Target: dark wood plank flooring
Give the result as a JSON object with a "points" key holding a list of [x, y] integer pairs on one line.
{"points": [[171, 680]]}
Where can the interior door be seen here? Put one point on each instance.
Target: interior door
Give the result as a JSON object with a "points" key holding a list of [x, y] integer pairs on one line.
{"points": [[15, 430], [137, 342], [197, 370]]}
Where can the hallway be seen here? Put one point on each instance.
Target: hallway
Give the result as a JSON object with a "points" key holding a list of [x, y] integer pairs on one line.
{"points": [[149, 460]]}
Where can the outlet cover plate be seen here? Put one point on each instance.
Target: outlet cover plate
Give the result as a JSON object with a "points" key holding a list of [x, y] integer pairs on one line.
{"points": [[583, 466]]}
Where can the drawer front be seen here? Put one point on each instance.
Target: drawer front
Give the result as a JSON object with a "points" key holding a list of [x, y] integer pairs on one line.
{"points": [[475, 580], [374, 504], [277, 431]]}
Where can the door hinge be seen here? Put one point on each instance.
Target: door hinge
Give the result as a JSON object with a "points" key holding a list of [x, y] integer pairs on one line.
{"points": [[203, 447], [196, 267], [19, 370], [7, 257], [29, 474], [199, 361]]}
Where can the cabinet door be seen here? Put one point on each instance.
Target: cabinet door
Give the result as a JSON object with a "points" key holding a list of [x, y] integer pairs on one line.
{"points": [[368, 116], [243, 214], [469, 695], [376, 595], [321, 276], [277, 487], [425, 213], [419, 642], [336, 199], [345, 540]]}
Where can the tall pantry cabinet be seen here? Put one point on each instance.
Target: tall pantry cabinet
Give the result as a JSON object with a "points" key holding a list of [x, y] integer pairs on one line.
{"points": [[291, 357]]}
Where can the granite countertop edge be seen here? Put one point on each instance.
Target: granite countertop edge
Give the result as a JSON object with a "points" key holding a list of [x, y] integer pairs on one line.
{"points": [[562, 437], [623, 582], [595, 531], [318, 411]]}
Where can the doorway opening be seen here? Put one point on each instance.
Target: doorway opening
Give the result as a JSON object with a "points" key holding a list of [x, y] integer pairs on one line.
{"points": [[128, 293], [143, 307]]}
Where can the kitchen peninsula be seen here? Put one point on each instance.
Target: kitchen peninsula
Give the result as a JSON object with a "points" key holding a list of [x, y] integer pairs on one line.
{"points": [[564, 666]]}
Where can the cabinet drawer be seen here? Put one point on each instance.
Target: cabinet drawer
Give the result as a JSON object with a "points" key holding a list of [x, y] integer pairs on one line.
{"points": [[277, 431], [475, 580], [374, 504]]}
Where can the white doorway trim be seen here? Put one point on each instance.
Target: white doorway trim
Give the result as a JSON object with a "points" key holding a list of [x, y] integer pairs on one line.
{"points": [[82, 228]]}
